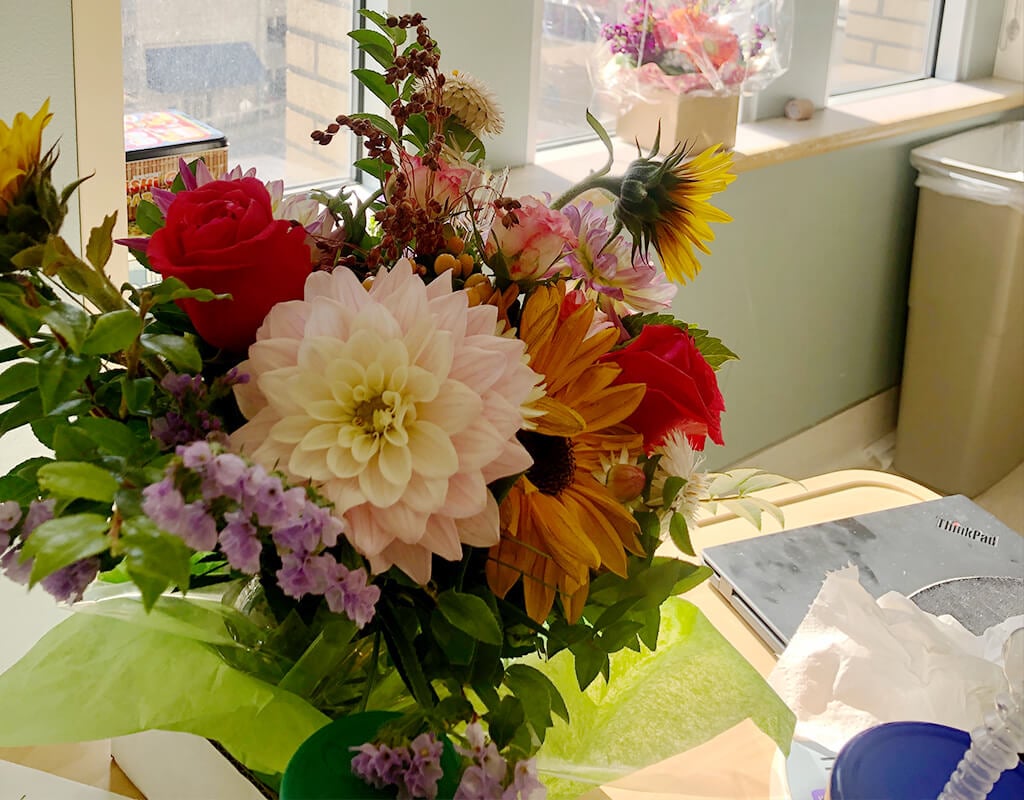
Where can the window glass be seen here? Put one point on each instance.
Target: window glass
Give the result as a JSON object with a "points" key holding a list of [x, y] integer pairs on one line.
{"points": [[571, 31], [264, 73], [882, 42]]}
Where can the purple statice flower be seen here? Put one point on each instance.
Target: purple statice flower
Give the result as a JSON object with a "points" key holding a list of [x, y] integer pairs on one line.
{"points": [[39, 511], [198, 528], [164, 504], [349, 592], [240, 543], [477, 783], [10, 514], [225, 476], [306, 575], [264, 497], [14, 568], [380, 765], [180, 385], [525, 784], [196, 455], [425, 769], [639, 37], [68, 583]]}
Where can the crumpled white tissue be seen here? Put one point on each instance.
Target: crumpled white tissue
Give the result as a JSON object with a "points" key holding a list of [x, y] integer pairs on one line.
{"points": [[855, 662]]}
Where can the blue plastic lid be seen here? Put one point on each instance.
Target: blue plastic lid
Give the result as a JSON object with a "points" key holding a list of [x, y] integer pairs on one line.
{"points": [[908, 761]]}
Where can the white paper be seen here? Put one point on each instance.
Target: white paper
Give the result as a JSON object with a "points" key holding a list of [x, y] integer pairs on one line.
{"points": [[17, 781], [855, 662]]}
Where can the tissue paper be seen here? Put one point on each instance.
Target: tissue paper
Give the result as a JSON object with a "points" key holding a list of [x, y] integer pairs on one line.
{"points": [[855, 662]]}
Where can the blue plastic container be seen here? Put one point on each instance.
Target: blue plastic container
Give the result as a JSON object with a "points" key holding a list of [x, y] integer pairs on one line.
{"points": [[908, 761]]}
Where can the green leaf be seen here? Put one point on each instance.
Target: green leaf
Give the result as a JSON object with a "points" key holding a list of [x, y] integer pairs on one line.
{"points": [[373, 166], [19, 319], [457, 646], [504, 721], [751, 509], [148, 217], [713, 350], [112, 332], [606, 140], [61, 375], [529, 686], [16, 488], [590, 660], [170, 289], [376, 45], [101, 243], [30, 407], [69, 322], [154, 559], [63, 541], [537, 677], [673, 484], [68, 443], [18, 378], [695, 574], [111, 436], [396, 34], [420, 128], [77, 479], [679, 531], [619, 635], [180, 352], [137, 392], [652, 626], [471, 615], [380, 124], [385, 92]]}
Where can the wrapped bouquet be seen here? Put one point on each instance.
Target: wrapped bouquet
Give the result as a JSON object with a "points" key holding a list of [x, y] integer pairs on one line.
{"points": [[391, 460], [708, 47]]}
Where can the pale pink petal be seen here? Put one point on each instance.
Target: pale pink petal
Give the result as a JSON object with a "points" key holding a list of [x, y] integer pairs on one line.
{"points": [[480, 530]]}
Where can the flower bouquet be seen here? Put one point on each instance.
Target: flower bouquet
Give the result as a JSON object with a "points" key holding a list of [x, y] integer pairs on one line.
{"points": [[389, 474], [688, 61]]}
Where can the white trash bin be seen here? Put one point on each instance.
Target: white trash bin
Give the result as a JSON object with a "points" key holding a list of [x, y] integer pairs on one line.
{"points": [[961, 420]]}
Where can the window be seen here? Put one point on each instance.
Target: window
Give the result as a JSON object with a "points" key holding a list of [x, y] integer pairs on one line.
{"points": [[262, 72], [571, 30], [883, 42]]}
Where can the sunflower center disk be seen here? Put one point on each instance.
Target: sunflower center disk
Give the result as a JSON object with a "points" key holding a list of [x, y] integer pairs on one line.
{"points": [[554, 465]]}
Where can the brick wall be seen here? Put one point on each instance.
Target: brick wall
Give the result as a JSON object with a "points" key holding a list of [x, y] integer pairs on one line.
{"points": [[318, 57], [887, 34]]}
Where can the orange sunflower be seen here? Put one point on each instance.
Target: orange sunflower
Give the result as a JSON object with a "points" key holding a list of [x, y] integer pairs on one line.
{"points": [[558, 522]]}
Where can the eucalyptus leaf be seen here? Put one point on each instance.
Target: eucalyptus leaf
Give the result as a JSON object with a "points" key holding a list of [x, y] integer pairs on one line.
{"points": [[59, 542]]}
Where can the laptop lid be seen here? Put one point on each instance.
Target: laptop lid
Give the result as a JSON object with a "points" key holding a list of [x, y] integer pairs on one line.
{"points": [[772, 580]]}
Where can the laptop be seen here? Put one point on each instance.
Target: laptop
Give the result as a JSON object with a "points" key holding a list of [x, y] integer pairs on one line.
{"points": [[949, 555]]}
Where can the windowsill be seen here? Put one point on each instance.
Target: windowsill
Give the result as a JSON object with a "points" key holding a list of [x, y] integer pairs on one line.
{"points": [[848, 121]]}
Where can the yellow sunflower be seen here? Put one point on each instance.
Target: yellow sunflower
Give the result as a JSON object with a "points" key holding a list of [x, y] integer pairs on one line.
{"points": [[20, 145], [558, 522], [665, 203]]}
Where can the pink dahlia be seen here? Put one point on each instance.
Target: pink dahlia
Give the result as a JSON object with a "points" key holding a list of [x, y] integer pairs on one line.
{"points": [[401, 403]]}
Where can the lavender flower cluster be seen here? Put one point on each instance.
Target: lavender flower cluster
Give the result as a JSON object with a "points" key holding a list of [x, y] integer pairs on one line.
{"points": [[487, 778], [67, 583], [637, 38], [413, 769], [217, 500], [190, 418]]}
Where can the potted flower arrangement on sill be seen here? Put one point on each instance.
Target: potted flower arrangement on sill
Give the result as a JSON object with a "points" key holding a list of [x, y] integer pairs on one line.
{"points": [[678, 67], [374, 494]]}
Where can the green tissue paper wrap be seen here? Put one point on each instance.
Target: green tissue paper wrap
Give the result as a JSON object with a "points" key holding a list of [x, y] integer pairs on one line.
{"points": [[115, 670], [692, 688]]}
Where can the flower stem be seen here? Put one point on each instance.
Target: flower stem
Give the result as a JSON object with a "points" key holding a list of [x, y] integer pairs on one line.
{"points": [[610, 184]]}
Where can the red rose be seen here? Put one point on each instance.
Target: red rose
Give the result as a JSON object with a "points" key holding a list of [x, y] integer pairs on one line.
{"points": [[223, 236], [682, 391]]}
